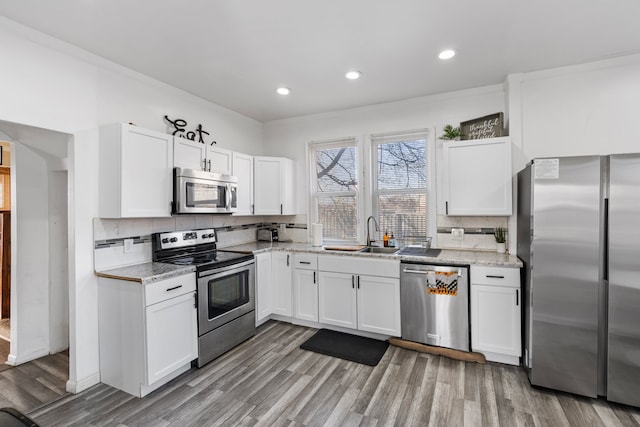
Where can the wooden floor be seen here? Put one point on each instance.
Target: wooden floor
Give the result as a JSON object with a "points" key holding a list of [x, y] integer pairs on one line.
{"points": [[33, 384], [268, 381]]}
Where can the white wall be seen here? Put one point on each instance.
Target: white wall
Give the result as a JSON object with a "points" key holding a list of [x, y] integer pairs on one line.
{"points": [[30, 253], [580, 110], [59, 262], [288, 137], [49, 84]]}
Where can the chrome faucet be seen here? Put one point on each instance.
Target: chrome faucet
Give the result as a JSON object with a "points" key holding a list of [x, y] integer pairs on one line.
{"points": [[369, 241]]}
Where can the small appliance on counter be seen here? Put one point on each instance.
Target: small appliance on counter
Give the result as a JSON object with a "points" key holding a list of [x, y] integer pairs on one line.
{"points": [[268, 234]]}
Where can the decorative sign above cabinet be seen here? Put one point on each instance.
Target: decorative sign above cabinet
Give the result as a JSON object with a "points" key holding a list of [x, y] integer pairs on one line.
{"points": [[180, 130], [483, 127]]}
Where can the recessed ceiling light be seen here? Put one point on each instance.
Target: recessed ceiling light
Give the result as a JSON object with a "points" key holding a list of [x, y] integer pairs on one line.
{"points": [[353, 75], [447, 54], [283, 91]]}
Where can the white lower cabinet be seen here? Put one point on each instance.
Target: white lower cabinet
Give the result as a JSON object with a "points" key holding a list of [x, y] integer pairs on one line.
{"points": [[379, 305], [305, 288], [148, 334], [350, 298], [281, 280], [496, 313], [337, 296], [264, 292]]}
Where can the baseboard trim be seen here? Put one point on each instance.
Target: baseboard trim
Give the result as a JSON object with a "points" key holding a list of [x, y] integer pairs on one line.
{"points": [[14, 360], [85, 383]]}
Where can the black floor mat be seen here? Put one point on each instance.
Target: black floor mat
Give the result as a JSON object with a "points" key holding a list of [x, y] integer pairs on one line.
{"points": [[346, 346]]}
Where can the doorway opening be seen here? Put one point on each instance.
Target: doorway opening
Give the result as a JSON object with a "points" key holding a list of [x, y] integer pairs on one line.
{"points": [[35, 295]]}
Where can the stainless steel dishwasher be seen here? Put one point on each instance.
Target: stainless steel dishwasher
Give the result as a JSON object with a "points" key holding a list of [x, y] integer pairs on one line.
{"points": [[434, 304]]}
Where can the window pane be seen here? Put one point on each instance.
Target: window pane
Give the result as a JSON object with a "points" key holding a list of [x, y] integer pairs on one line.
{"points": [[402, 165], [404, 215], [338, 215], [336, 169]]}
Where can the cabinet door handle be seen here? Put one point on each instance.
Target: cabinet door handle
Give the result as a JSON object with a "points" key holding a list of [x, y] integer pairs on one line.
{"points": [[287, 260], [305, 262], [491, 276], [209, 165], [314, 277], [358, 282], [446, 208], [253, 209], [517, 296], [174, 288], [195, 299], [353, 282], [204, 165], [280, 208]]}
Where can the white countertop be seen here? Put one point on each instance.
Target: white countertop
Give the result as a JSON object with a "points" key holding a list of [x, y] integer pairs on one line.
{"points": [[151, 272], [447, 256]]}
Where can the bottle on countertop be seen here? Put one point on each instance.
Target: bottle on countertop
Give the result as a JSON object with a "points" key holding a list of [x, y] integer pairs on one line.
{"points": [[385, 239], [392, 241]]}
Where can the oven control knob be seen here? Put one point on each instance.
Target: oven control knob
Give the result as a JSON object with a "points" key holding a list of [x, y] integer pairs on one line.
{"points": [[165, 240], [211, 235], [173, 239], [204, 236]]}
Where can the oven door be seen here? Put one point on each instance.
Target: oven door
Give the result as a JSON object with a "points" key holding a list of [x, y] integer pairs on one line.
{"points": [[225, 294]]}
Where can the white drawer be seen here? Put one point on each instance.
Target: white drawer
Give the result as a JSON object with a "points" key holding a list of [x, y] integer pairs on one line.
{"points": [[495, 276], [306, 261], [166, 289]]}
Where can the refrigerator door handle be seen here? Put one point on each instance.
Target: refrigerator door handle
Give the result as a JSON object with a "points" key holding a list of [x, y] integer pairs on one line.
{"points": [[605, 258]]}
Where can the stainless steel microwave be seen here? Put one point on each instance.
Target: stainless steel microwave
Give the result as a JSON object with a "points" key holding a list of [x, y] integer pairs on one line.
{"points": [[196, 192]]}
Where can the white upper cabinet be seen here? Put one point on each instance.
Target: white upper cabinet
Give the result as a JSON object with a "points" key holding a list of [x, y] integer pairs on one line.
{"points": [[189, 154], [219, 160], [477, 177], [242, 168], [273, 186], [135, 172], [196, 155]]}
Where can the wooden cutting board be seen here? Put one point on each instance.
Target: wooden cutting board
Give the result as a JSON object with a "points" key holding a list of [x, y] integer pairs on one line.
{"points": [[352, 248]]}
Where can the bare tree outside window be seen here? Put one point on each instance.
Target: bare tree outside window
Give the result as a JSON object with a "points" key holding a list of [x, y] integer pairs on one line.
{"points": [[336, 191], [400, 196]]}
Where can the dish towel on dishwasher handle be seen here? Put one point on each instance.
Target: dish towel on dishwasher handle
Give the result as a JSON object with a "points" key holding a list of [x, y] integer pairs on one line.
{"points": [[442, 283]]}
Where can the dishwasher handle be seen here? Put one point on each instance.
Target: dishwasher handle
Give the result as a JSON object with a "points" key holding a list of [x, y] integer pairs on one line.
{"points": [[433, 269]]}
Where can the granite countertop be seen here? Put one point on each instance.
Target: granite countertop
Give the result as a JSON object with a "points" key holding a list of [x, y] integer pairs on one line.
{"points": [[149, 272], [447, 256]]}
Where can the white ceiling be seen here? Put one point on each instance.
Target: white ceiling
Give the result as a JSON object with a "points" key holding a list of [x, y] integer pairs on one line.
{"points": [[236, 52]]}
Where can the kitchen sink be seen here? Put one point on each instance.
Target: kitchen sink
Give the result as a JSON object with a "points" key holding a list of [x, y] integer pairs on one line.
{"points": [[419, 251], [378, 250]]}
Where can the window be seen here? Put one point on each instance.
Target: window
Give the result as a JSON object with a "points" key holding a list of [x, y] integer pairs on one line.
{"points": [[334, 192], [400, 178]]}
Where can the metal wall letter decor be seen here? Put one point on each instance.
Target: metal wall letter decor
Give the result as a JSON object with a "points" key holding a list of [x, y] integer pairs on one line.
{"points": [[180, 129]]}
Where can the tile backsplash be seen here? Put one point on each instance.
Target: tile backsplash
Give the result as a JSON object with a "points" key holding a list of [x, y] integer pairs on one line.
{"points": [[478, 231], [109, 234]]}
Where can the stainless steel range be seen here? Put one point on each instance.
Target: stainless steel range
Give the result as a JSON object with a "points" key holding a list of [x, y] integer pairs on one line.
{"points": [[225, 286]]}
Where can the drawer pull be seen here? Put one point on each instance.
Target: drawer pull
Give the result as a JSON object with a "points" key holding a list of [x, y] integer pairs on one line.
{"points": [[490, 276], [305, 262], [174, 288]]}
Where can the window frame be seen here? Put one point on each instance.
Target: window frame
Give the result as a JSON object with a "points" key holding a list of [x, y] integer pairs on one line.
{"points": [[311, 149], [365, 193], [430, 190]]}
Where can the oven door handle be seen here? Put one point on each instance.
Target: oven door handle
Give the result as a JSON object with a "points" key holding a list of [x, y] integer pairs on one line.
{"points": [[224, 271], [228, 201]]}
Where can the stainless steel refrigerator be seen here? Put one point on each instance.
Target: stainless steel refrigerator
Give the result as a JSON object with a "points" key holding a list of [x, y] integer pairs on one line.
{"points": [[579, 240]]}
